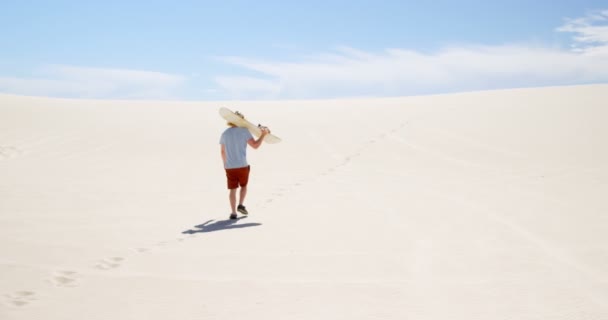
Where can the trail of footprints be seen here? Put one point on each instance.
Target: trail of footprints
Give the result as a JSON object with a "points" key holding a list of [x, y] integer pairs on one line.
{"points": [[346, 160], [69, 279], [373, 140]]}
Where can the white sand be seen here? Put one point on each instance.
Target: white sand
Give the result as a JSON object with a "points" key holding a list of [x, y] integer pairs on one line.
{"points": [[488, 205]]}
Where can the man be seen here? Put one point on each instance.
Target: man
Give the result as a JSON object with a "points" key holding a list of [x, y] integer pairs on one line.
{"points": [[234, 143]]}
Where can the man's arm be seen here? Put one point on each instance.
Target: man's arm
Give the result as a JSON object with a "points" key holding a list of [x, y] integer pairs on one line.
{"points": [[223, 154], [257, 143]]}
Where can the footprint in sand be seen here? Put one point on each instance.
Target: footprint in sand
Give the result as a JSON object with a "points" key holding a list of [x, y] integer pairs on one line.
{"points": [[8, 152], [20, 298], [109, 263], [64, 278]]}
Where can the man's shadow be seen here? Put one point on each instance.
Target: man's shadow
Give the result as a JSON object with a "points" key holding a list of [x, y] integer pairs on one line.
{"points": [[211, 226]]}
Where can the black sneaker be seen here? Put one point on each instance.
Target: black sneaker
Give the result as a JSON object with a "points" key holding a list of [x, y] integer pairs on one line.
{"points": [[241, 209], [233, 216]]}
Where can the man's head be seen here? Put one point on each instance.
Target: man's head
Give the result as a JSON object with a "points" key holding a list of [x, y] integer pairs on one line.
{"points": [[238, 114]]}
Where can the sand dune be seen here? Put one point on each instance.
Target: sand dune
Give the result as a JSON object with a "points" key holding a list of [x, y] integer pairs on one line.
{"points": [[485, 205]]}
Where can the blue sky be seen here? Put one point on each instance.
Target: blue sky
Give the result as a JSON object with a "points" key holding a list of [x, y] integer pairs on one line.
{"points": [[224, 50]]}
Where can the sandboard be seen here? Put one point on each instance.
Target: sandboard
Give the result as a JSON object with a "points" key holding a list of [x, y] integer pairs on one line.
{"points": [[232, 117]]}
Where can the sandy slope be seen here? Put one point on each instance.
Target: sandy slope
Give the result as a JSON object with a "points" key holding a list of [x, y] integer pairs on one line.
{"points": [[486, 205]]}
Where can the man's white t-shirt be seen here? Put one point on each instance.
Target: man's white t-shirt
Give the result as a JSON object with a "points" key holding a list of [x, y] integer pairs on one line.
{"points": [[235, 140]]}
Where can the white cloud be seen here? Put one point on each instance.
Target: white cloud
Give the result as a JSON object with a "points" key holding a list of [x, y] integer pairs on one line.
{"points": [[590, 38], [83, 82], [351, 72], [244, 85]]}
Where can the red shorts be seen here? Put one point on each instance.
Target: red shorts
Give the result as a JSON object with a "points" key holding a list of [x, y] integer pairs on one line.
{"points": [[238, 177]]}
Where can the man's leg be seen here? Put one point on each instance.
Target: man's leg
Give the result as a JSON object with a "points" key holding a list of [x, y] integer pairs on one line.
{"points": [[243, 183], [242, 195], [232, 197]]}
